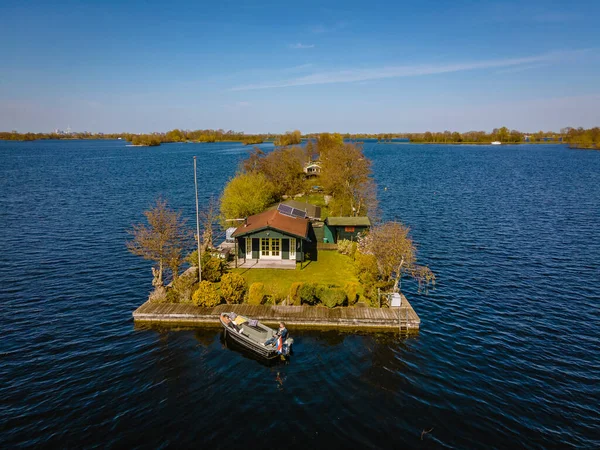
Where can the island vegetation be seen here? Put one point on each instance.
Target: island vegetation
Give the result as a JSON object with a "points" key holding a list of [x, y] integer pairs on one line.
{"points": [[585, 139], [574, 137], [353, 272], [149, 139]]}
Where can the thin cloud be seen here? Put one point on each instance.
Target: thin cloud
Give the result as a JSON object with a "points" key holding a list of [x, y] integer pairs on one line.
{"points": [[300, 68], [354, 75], [237, 106], [301, 45], [522, 68], [320, 29]]}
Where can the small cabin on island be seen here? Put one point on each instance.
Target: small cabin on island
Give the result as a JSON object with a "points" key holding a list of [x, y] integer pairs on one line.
{"points": [[279, 237], [312, 169], [338, 228]]}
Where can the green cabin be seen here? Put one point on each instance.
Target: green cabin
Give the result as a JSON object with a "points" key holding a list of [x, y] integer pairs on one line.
{"points": [[275, 237], [338, 228]]}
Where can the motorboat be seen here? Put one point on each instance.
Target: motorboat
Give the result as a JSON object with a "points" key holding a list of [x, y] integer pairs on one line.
{"points": [[496, 143], [252, 335]]}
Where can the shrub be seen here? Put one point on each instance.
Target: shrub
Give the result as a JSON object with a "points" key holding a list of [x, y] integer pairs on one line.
{"points": [[371, 292], [351, 290], [295, 293], [158, 295], [308, 294], [192, 258], [172, 296], [206, 295], [256, 294], [184, 287], [352, 251], [275, 296], [331, 297], [345, 246], [366, 268], [233, 288], [212, 268]]}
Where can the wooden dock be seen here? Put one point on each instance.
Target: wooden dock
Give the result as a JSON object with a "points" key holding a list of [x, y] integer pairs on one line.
{"points": [[402, 319]]}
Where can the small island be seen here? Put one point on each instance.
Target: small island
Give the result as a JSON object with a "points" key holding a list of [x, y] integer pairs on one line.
{"points": [[574, 137], [304, 244]]}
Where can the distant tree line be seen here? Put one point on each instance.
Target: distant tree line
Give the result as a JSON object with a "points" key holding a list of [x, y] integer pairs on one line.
{"points": [[575, 137], [580, 138], [502, 134], [15, 136], [289, 138], [175, 135]]}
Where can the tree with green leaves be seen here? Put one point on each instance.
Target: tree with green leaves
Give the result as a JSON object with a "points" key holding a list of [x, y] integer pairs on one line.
{"points": [[283, 167], [246, 194]]}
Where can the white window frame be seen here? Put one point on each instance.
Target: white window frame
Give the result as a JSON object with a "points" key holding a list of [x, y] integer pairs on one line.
{"points": [[292, 248], [275, 242], [269, 253]]}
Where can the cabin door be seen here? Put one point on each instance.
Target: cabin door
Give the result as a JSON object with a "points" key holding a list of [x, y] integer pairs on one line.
{"points": [[241, 248], [285, 249], [255, 248]]}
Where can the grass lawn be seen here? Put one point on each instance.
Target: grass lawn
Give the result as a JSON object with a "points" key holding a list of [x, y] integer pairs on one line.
{"points": [[331, 268]]}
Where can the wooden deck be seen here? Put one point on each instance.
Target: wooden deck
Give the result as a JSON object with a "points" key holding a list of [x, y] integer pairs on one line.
{"points": [[403, 319]]}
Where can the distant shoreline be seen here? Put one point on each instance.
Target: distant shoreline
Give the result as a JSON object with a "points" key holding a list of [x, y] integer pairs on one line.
{"points": [[574, 137]]}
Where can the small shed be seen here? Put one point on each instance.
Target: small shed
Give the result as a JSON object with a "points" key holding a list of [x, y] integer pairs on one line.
{"points": [[338, 228]]}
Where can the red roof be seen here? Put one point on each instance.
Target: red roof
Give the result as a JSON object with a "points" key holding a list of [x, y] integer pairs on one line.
{"points": [[274, 220]]}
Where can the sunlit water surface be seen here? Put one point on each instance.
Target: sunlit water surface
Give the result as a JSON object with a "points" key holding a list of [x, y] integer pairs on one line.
{"points": [[508, 355]]}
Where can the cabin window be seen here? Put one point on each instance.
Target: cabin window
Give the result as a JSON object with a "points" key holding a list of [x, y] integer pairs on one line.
{"points": [[274, 247], [264, 246], [292, 248], [349, 229], [248, 248]]}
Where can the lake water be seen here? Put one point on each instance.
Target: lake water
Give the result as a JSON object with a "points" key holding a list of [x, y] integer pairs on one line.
{"points": [[508, 355]]}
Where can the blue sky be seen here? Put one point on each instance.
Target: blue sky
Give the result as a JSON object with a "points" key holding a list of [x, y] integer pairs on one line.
{"points": [[255, 66]]}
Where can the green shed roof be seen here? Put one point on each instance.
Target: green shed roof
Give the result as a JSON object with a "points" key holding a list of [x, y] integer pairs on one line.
{"points": [[348, 221]]}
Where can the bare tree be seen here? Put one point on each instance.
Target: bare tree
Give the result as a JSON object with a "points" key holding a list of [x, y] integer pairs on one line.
{"points": [[164, 240], [395, 253]]}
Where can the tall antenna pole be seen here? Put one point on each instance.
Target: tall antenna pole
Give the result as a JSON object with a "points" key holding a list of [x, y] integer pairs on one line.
{"points": [[198, 224]]}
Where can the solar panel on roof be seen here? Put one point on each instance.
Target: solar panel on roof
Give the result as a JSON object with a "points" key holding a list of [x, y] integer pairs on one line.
{"points": [[290, 211], [298, 213], [285, 209]]}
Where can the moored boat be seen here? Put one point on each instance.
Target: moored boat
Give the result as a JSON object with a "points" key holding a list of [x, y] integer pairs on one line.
{"points": [[252, 335]]}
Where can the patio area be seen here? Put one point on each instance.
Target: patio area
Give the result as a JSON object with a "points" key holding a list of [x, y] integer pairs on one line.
{"points": [[267, 264]]}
